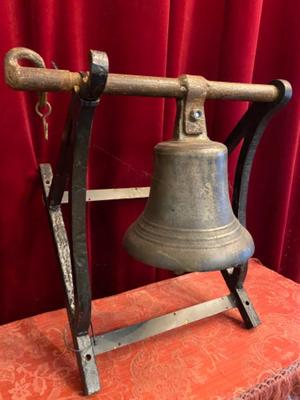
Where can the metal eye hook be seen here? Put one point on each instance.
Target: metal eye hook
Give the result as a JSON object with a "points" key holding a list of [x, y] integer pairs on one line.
{"points": [[12, 66], [43, 114]]}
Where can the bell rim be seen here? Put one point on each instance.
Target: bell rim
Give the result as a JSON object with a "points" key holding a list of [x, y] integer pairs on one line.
{"points": [[189, 259], [200, 235]]}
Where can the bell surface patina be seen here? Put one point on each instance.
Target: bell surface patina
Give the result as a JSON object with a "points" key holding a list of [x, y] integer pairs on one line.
{"points": [[188, 223]]}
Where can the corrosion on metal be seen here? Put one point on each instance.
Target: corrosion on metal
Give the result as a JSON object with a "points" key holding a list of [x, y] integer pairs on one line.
{"points": [[48, 80], [61, 241], [191, 116]]}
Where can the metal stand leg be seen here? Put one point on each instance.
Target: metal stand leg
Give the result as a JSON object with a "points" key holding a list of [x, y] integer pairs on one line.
{"points": [[72, 166], [81, 342], [243, 303], [250, 128]]}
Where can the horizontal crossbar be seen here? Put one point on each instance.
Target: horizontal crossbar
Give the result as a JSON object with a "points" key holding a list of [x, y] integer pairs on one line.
{"points": [[143, 330], [112, 194]]}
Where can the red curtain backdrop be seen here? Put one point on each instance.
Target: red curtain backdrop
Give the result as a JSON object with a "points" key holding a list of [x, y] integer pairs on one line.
{"points": [[229, 40]]}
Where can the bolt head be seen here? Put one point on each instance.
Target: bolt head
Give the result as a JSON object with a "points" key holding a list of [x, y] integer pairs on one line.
{"points": [[195, 115]]}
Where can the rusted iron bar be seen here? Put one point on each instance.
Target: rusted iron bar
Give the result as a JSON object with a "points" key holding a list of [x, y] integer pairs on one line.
{"points": [[135, 85], [47, 80]]}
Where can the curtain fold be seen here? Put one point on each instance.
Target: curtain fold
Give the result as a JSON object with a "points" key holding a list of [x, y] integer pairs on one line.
{"points": [[232, 40]]}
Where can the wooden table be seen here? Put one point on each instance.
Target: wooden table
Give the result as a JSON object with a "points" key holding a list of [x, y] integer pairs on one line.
{"points": [[216, 358]]}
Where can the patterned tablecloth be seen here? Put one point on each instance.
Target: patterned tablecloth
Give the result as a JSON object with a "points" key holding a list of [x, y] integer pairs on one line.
{"points": [[215, 358]]}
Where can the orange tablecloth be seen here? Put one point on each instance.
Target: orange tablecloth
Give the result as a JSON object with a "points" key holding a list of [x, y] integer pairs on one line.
{"points": [[215, 358]]}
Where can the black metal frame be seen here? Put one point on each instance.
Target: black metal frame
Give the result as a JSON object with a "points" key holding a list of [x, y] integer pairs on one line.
{"points": [[250, 129], [71, 168]]}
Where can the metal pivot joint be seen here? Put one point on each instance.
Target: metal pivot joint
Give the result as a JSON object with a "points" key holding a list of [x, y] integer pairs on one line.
{"points": [[191, 92]]}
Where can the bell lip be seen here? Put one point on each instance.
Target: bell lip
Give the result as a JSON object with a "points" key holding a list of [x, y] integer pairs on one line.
{"points": [[188, 260]]}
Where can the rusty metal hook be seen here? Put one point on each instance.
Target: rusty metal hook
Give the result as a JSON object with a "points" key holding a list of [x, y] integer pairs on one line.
{"points": [[13, 68]]}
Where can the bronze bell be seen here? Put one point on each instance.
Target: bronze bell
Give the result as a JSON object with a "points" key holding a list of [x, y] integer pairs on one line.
{"points": [[188, 223]]}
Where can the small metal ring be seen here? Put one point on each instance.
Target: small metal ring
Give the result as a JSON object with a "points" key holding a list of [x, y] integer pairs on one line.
{"points": [[70, 348], [48, 110]]}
